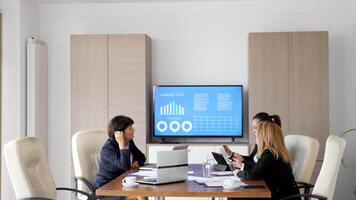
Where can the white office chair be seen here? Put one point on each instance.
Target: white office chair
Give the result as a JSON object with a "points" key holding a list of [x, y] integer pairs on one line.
{"points": [[325, 184], [29, 171], [304, 151], [86, 148]]}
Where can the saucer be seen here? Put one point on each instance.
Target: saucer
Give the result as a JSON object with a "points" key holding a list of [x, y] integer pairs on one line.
{"points": [[130, 186], [231, 187]]}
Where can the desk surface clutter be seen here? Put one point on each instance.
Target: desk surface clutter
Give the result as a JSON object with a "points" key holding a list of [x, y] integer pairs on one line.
{"points": [[189, 188]]}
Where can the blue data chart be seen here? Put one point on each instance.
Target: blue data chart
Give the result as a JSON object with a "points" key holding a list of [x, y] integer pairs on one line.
{"points": [[189, 111]]}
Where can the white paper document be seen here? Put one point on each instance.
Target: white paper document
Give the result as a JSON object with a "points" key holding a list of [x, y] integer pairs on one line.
{"points": [[221, 184], [222, 173], [198, 179], [214, 181], [146, 173]]}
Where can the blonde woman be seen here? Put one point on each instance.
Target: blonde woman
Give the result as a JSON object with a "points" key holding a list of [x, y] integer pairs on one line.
{"points": [[274, 162]]}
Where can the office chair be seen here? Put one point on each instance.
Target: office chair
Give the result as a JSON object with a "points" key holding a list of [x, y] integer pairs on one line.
{"points": [[304, 151], [29, 171], [86, 148], [324, 187]]}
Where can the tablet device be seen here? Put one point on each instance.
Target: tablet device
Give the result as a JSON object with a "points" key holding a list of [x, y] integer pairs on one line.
{"points": [[221, 161]]}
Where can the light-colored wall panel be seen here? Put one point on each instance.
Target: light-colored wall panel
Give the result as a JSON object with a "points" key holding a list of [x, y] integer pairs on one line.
{"points": [[200, 153], [37, 90], [309, 85], [128, 70], [316, 171], [268, 76], [89, 90]]}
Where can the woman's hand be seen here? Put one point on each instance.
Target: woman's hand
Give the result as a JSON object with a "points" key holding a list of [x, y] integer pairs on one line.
{"points": [[237, 164], [120, 139], [237, 158], [227, 150], [135, 166]]}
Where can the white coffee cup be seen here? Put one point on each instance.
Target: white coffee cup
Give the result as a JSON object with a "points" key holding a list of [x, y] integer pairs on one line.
{"points": [[129, 180], [230, 183]]}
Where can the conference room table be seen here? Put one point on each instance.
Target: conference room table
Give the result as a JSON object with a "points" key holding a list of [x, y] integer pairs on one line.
{"points": [[188, 188]]}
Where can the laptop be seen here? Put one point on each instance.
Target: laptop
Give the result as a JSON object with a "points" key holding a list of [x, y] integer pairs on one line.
{"points": [[172, 166], [149, 166], [152, 166], [222, 164]]}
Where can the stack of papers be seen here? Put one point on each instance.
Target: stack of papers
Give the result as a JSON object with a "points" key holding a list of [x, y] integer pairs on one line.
{"points": [[222, 173], [198, 179], [214, 181]]}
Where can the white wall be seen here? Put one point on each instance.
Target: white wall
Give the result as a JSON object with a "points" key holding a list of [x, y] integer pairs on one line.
{"points": [[200, 43], [20, 20], [11, 84]]}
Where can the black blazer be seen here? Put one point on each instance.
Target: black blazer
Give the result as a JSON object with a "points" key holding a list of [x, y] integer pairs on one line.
{"points": [[114, 162], [277, 174], [249, 161]]}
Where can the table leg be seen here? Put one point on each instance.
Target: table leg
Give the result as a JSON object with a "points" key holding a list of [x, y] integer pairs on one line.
{"points": [[159, 198]]}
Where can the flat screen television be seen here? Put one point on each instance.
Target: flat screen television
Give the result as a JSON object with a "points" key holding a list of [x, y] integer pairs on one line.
{"points": [[197, 111]]}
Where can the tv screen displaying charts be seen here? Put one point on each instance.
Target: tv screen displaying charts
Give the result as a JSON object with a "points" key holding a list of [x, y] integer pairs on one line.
{"points": [[198, 111]]}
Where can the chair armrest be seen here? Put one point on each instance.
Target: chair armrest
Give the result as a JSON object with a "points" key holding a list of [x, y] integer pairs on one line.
{"points": [[36, 198], [305, 196], [87, 183], [90, 197], [304, 185]]}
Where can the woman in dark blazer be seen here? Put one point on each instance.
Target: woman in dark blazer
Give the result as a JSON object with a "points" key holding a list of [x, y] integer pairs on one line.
{"points": [[273, 165], [119, 153], [249, 161]]}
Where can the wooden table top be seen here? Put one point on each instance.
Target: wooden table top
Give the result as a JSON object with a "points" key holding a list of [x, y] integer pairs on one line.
{"points": [[254, 189]]}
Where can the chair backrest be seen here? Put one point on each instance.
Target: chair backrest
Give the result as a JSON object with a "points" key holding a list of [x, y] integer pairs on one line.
{"points": [[326, 181], [304, 151], [86, 148], [28, 169]]}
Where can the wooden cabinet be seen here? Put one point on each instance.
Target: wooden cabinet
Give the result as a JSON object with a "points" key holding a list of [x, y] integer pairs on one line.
{"points": [[110, 75], [129, 81], [268, 76], [89, 91], [309, 86], [288, 76]]}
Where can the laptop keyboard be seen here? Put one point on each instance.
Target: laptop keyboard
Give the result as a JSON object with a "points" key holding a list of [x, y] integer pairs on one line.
{"points": [[149, 166], [147, 180]]}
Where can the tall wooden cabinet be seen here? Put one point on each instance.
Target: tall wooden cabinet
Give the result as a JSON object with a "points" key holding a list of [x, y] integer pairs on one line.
{"points": [[129, 81], [268, 76], [110, 75], [89, 90], [288, 76]]}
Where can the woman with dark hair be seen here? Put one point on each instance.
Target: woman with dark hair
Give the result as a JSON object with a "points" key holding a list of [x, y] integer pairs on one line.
{"points": [[119, 153], [249, 161]]}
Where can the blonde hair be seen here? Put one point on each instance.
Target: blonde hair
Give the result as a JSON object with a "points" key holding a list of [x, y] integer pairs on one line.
{"points": [[269, 136]]}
